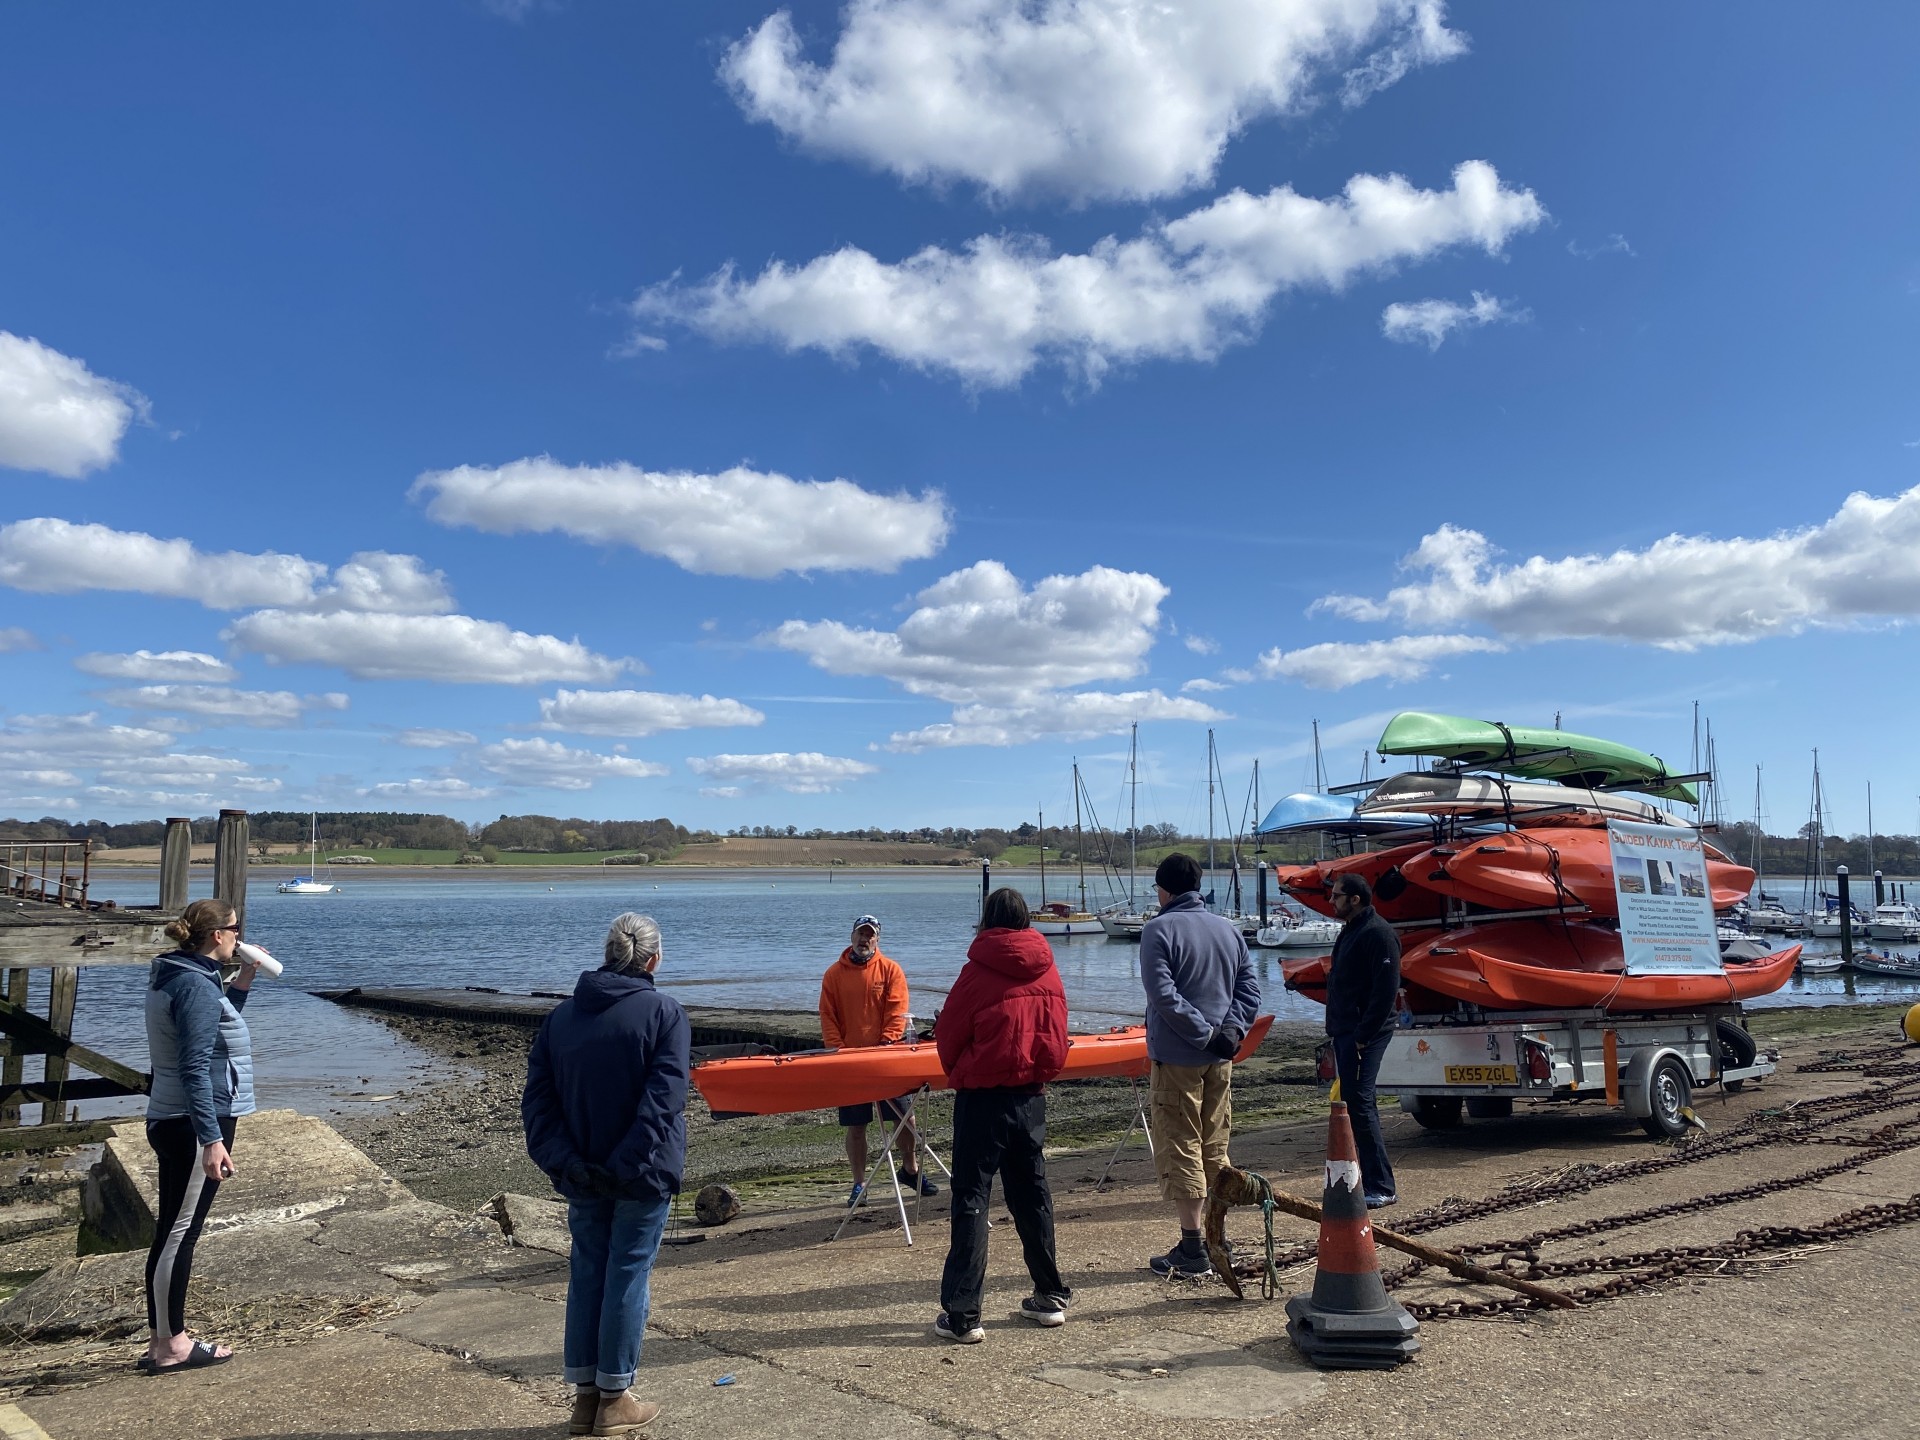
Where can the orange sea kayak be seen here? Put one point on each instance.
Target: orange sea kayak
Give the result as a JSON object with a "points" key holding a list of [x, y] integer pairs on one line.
{"points": [[822, 1079]]}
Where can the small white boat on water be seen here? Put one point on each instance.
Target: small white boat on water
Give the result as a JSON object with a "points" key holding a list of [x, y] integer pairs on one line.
{"points": [[307, 884], [1308, 933], [1060, 920], [1126, 924], [1826, 963], [1895, 920]]}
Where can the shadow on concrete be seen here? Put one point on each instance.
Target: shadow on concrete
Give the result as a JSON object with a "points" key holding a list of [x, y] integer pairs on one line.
{"points": [[485, 1432]]}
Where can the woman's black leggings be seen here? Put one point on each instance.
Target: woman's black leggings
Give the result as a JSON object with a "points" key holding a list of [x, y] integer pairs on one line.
{"points": [[186, 1194]]}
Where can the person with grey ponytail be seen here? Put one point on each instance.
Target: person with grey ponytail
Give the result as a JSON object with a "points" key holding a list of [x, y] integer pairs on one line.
{"points": [[605, 1115]]}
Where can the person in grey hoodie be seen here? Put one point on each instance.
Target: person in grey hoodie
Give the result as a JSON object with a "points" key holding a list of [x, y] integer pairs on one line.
{"points": [[1202, 996], [202, 1059]]}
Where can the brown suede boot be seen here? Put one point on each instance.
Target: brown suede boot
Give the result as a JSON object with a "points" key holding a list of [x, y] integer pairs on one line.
{"points": [[622, 1414], [586, 1409]]}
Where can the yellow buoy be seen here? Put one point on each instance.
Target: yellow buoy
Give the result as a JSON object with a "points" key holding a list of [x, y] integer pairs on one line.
{"points": [[1912, 1025]]}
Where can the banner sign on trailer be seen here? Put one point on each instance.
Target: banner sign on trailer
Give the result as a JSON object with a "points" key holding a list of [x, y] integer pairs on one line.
{"points": [[1666, 909]]}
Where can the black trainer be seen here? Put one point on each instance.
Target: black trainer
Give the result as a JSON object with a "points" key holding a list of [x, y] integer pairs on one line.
{"points": [[1047, 1310], [1182, 1263]]}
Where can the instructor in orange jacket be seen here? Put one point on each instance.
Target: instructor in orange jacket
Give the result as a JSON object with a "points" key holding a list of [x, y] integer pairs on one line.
{"points": [[863, 1001]]}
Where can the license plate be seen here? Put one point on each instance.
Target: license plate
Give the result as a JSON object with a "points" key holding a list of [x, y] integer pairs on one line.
{"points": [[1482, 1075]]}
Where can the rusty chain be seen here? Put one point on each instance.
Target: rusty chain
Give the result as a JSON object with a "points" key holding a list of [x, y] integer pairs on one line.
{"points": [[1797, 1124]]}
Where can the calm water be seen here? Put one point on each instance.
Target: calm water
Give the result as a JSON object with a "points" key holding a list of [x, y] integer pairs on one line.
{"points": [[747, 939]]}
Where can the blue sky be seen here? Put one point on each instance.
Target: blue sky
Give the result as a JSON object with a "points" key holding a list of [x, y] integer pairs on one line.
{"points": [[849, 418]]}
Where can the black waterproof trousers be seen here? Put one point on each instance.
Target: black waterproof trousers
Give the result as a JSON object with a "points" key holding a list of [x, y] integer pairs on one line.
{"points": [[1001, 1132]]}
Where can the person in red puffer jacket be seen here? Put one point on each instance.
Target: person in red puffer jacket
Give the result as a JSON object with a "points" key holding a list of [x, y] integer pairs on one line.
{"points": [[1002, 1036]]}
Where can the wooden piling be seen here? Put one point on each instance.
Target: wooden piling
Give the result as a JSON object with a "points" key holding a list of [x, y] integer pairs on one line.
{"points": [[176, 851], [1846, 918], [1262, 894], [13, 1068], [64, 983], [230, 864]]}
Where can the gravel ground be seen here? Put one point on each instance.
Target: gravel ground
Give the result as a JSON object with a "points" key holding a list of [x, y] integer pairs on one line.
{"points": [[458, 1141]]}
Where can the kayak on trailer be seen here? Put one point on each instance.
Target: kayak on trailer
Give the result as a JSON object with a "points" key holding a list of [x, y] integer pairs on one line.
{"points": [[1550, 964], [1526, 750], [822, 1079], [1550, 866], [1395, 895], [1493, 799]]}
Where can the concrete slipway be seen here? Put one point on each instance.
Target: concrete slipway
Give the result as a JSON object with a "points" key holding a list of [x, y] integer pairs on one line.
{"points": [[360, 1309]]}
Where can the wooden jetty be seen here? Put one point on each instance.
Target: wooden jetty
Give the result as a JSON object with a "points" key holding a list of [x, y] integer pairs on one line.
{"points": [[49, 922]]}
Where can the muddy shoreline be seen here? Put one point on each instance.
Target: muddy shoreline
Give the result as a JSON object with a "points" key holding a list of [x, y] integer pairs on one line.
{"points": [[458, 1141]]}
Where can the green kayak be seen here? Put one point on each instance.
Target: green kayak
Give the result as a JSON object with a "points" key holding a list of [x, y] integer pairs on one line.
{"points": [[1534, 753]]}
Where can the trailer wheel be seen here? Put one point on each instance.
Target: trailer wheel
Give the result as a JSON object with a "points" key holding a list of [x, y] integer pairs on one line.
{"points": [[1737, 1051], [1437, 1112], [1490, 1107], [1669, 1091]]}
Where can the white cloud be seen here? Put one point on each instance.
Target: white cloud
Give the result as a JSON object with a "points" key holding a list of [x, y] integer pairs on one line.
{"points": [[739, 522], [1613, 245], [805, 772], [1084, 98], [14, 640], [58, 557], [1202, 686], [1338, 664], [1236, 675], [722, 792], [1200, 644], [56, 779], [1078, 716], [173, 771], [221, 702], [453, 648], [434, 788], [56, 415], [549, 765], [636, 713], [426, 738], [1411, 322], [390, 584], [978, 635], [1681, 592], [1183, 290], [59, 741], [188, 665]]}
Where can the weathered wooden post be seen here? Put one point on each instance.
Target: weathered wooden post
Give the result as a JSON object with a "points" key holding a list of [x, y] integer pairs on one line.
{"points": [[1846, 918], [1262, 890], [230, 864], [986, 867], [176, 850], [1879, 890]]}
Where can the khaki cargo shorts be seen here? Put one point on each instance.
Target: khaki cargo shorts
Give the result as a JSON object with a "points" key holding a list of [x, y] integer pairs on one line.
{"points": [[1190, 1116]]}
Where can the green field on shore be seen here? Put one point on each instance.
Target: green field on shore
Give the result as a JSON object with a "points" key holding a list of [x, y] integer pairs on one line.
{"points": [[398, 856]]}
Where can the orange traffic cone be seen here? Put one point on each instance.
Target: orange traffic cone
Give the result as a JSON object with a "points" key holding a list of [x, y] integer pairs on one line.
{"points": [[1349, 1322]]}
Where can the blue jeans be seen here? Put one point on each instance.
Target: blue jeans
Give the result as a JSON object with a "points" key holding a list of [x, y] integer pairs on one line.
{"points": [[1357, 1059], [614, 1242]]}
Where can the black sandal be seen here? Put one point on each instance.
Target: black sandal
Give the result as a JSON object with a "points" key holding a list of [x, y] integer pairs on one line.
{"points": [[198, 1358]]}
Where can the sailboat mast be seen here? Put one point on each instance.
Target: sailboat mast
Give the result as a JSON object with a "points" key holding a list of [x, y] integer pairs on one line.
{"points": [[1133, 818], [1079, 845], [1869, 827], [1209, 805], [1319, 786], [1259, 841], [1043, 859]]}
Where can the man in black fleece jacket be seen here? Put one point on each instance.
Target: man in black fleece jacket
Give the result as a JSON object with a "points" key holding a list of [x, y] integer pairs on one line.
{"points": [[1362, 981]]}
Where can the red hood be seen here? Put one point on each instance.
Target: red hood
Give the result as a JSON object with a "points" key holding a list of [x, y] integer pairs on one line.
{"points": [[1020, 955]]}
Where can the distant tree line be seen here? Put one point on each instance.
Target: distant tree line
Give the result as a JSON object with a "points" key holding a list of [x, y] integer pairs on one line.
{"points": [[343, 830]]}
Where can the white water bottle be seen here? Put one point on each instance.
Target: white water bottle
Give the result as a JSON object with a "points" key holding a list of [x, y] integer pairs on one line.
{"points": [[907, 1034], [259, 959]]}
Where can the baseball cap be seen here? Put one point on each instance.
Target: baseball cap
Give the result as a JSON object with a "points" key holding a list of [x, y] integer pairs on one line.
{"points": [[867, 920]]}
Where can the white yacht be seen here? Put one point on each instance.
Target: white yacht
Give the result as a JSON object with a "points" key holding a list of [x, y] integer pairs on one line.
{"points": [[307, 884], [1309, 932], [1895, 920], [1775, 919]]}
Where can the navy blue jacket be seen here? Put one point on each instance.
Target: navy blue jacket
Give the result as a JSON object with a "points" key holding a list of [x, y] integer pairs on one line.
{"points": [[606, 1098], [1363, 977], [1197, 974]]}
